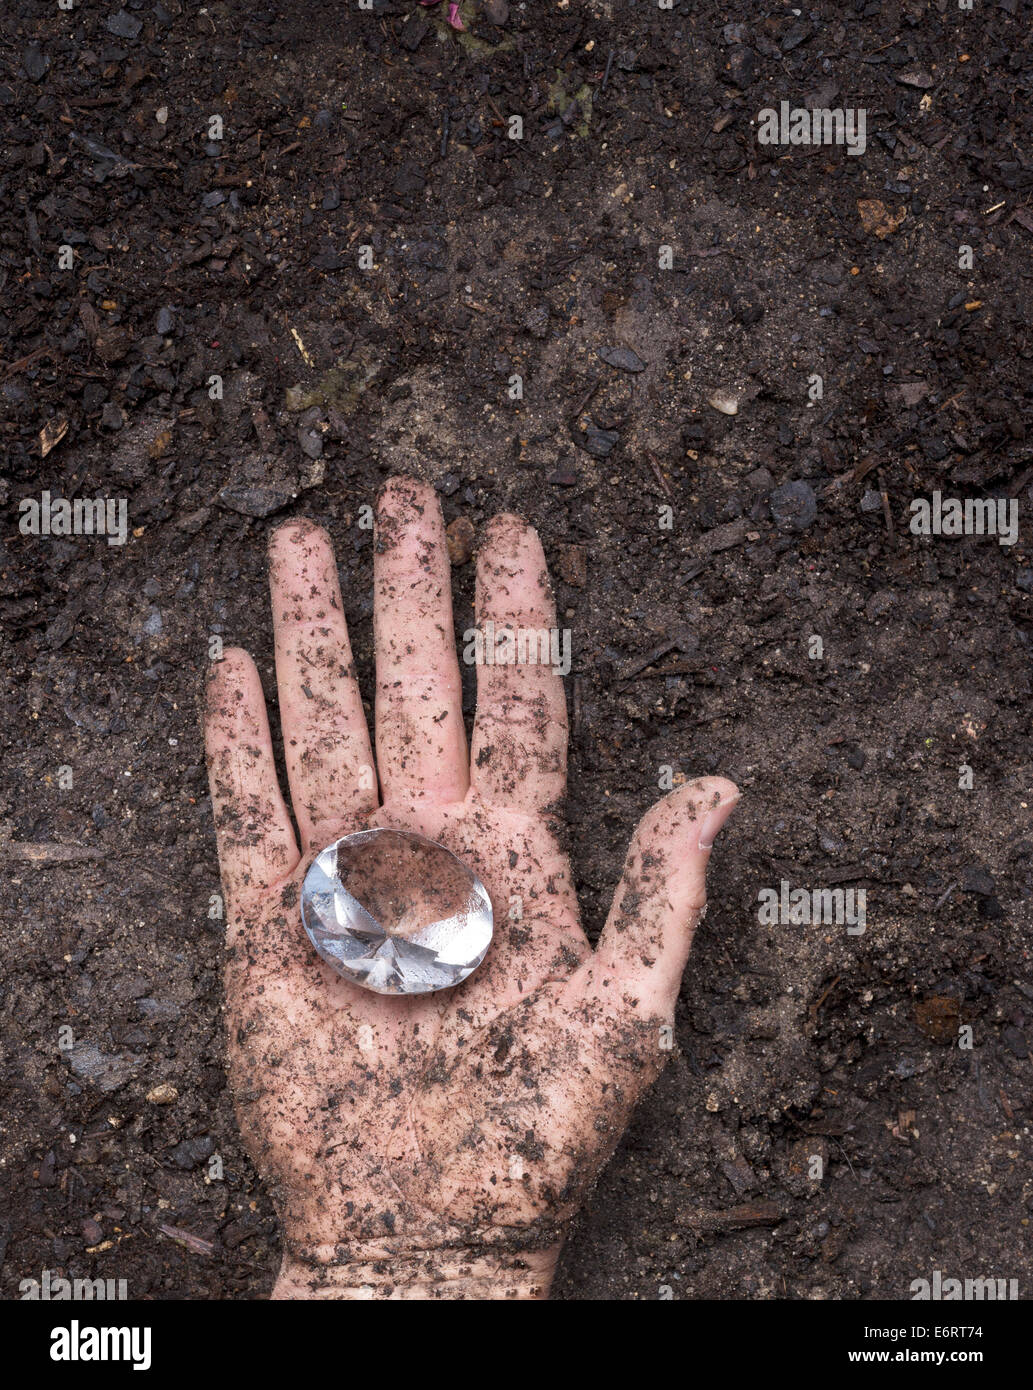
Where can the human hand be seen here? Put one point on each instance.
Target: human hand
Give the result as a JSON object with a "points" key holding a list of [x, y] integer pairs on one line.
{"points": [[433, 1146]]}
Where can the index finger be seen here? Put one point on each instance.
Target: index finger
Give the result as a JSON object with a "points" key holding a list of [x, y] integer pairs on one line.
{"points": [[252, 825], [421, 739]]}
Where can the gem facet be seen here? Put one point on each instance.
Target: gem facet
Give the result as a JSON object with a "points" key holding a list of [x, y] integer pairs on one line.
{"points": [[395, 912]]}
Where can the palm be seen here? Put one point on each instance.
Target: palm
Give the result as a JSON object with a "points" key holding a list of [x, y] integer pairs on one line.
{"points": [[478, 1113]]}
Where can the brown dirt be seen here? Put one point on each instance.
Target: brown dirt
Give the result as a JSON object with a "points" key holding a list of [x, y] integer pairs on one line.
{"points": [[494, 257]]}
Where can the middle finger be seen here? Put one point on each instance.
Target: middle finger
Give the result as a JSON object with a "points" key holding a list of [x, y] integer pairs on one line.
{"points": [[421, 741]]}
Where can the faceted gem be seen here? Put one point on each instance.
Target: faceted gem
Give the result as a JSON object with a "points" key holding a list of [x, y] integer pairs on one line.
{"points": [[395, 912]]}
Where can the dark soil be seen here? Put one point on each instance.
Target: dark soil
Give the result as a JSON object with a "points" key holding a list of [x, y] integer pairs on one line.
{"points": [[196, 258]]}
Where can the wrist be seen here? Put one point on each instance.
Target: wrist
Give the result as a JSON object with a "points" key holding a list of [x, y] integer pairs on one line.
{"points": [[443, 1275]]}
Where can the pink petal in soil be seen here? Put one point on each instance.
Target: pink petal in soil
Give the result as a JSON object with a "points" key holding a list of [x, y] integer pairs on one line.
{"points": [[453, 13]]}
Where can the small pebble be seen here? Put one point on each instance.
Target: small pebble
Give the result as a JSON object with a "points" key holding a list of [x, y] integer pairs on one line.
{"points": [[459, 537], [163, 1094], [794, 506], [622, 358], [311, 442], [191, 1152], [760, 481], [600, 443], [727, 402], [35, 62], [124, 25]]}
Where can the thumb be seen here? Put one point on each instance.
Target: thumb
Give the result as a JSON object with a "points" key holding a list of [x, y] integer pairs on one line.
{"points": [[641, 955]]}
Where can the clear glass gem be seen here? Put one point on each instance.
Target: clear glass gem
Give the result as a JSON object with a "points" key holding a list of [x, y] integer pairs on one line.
{"points": [[395, 912]]}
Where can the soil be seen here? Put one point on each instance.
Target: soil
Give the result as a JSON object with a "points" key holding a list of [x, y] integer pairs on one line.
{"points": [[216, 355]]}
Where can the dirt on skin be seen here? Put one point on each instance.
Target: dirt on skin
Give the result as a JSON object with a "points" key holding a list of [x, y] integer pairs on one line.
{"points": [[413, 1130], [692, 631]]}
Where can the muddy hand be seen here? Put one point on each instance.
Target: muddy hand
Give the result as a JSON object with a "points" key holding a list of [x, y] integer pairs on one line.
{"points": [[433, 1146]]}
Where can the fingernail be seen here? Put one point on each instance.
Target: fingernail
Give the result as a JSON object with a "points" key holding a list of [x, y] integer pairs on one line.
{"points": [[715, 819]]}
